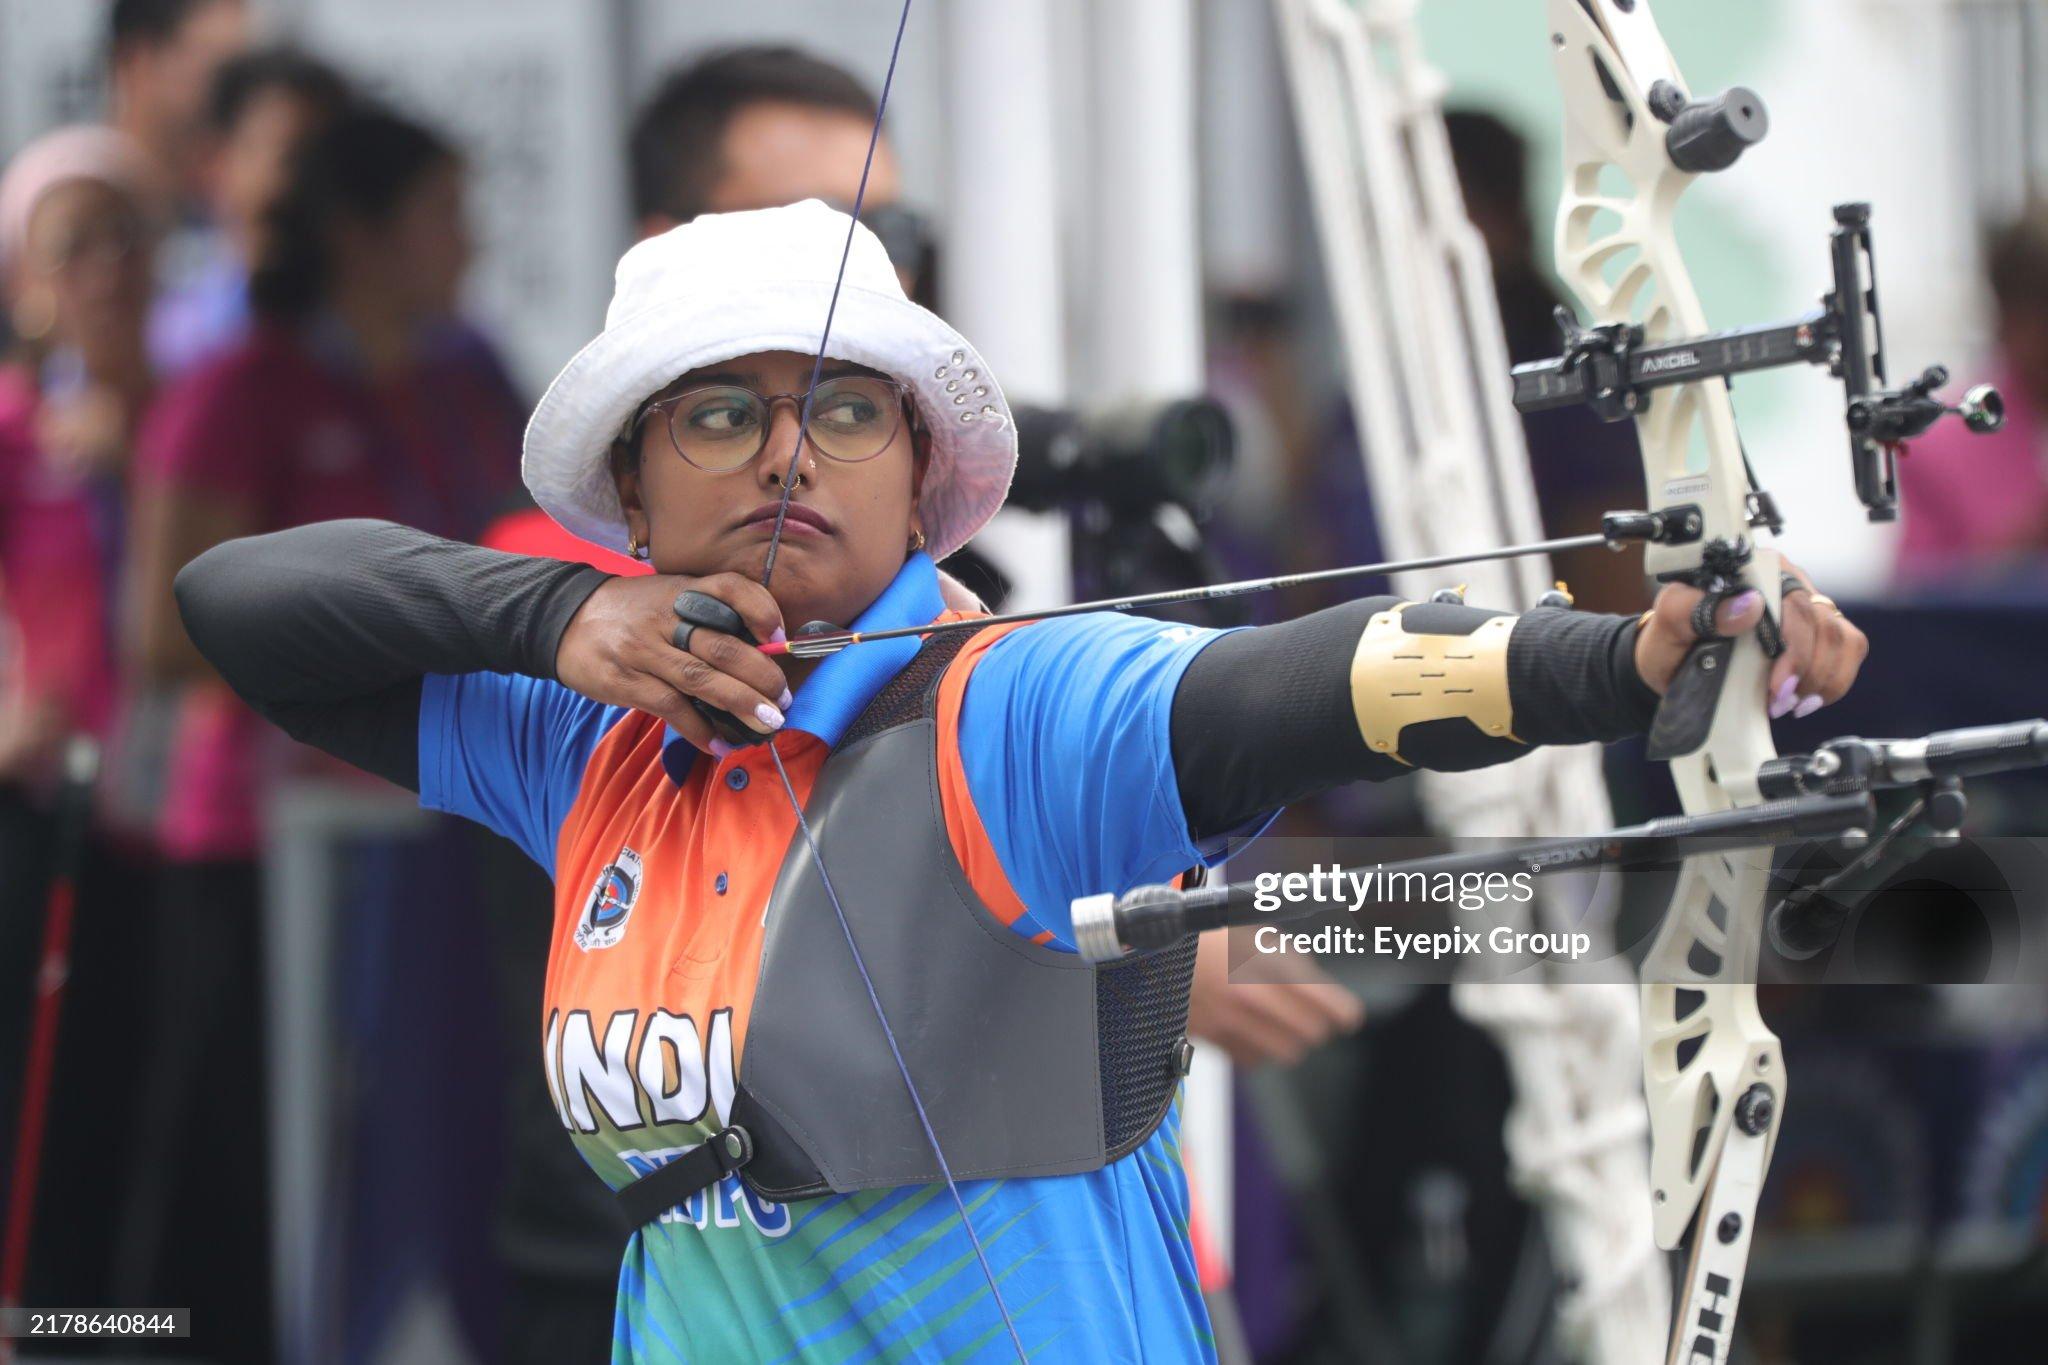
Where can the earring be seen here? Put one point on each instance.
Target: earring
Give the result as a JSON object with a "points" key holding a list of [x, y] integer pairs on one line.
{"points": [[916, 541], [634, 549]]}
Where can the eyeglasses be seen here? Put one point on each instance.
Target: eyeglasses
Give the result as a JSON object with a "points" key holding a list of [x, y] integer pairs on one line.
{"points": [[722, 427], [114, 239]]}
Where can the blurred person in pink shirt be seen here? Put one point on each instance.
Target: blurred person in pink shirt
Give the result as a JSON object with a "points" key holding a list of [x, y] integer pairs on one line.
{"points": [[355, 393], [77, 225], [75, 236], [1976, 507]]}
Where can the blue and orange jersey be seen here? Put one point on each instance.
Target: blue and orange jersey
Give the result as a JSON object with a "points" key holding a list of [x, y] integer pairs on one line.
{"points": [[1056, 780]]}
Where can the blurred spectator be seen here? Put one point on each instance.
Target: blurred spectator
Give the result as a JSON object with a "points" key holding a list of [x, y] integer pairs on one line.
{"points": [[355, 394], [758, 127], [75, 236], [264, 104], [1582, 465], [1977, 506], [77, 225], [161, 60]]}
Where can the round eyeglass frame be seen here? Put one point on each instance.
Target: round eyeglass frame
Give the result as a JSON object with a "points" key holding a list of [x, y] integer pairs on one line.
{"points": [[905, 410], [117, 239]]}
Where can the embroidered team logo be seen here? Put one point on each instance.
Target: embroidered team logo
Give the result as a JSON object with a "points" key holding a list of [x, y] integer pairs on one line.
{"points": [[611, 903]]}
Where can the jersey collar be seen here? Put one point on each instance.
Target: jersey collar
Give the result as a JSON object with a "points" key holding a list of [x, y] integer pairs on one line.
{"points": [[842, 686]]}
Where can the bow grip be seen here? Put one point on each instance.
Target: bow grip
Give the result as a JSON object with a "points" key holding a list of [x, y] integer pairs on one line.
{"points": [[697, 609], [1686, 713]]}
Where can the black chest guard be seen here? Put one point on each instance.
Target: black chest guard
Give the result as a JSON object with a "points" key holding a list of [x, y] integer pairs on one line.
{"points": [[1032, 1061]]}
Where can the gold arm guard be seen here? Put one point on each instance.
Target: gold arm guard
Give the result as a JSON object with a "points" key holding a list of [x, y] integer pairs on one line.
{"points": [[1399, 679]]}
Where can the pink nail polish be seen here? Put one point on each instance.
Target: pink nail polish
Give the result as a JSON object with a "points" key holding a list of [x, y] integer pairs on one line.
{"points": [[719, 748], [1779, 706], [1744, 602], [786, 700], [768, 716], [1807, 707], [780, 637]]}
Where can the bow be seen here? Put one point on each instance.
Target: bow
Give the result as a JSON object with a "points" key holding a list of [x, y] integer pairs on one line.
{"points": [[1712, 1072], [1633, 140]]}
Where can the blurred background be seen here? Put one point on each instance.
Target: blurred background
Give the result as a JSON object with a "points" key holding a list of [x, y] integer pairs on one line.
{"points": [[273, 261]]}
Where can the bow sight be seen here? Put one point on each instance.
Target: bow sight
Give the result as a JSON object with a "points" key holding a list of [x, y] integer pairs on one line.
{"points": [[1611, 370]]}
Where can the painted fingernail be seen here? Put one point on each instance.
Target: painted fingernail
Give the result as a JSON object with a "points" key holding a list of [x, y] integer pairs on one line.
{"points": [[780, 637], [718, 748], [1744, 604], [1807, 706], [768, 716], [786, 699], [1783, 699]]}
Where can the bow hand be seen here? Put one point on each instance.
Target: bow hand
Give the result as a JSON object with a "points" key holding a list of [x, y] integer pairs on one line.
{"points": [[1822, 650]]}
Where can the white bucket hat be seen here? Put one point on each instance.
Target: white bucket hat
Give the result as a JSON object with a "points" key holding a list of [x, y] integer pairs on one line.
{"points": [[732, 284]]}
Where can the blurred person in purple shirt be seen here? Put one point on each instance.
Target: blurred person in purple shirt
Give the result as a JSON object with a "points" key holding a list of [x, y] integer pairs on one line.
{"points": [[1976, 507], [263, 106], [162, 58]]}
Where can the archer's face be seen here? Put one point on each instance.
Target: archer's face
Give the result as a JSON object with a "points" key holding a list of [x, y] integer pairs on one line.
{"points": [[849, 523]]}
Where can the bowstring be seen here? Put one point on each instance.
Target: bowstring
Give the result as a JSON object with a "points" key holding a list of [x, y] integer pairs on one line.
{"points": [[860, 195], [789, 788]]}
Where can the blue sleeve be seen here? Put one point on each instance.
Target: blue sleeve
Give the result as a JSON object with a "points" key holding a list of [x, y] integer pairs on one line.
{"points": [[1066, 742], [507, 752]]}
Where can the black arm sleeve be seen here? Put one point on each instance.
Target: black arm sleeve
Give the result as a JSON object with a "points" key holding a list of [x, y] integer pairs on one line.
{"points": [[326, 630], [1264, 717]]}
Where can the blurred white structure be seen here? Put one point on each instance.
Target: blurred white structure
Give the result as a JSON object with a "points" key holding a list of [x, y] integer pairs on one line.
{"points": [[1426, 367], [1002, 161]]}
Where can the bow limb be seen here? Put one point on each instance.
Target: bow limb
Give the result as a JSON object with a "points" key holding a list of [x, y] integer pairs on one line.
{"points": [[1712, 1071]]}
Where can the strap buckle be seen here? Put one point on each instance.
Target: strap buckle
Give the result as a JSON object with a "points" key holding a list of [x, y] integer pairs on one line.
{"points": [[732, 1147]]}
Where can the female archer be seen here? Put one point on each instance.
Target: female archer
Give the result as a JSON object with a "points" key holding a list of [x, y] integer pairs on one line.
{"points": [[811, 1005]]}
